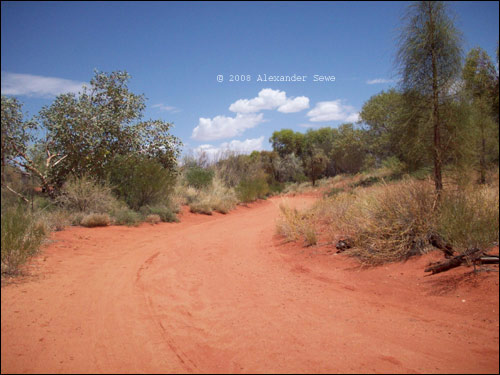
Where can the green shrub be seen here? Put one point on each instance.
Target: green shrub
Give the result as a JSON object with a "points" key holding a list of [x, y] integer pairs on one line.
{"points": [[250, 190], [395, 166], [199, 178], [469, 218], [141, 181], [85, 195], [165, 213], [95, 220], [276, 187], [21, 237], [126, 216]]}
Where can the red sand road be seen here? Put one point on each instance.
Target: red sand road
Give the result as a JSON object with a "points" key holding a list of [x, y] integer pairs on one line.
{"points": [[223, 294]]}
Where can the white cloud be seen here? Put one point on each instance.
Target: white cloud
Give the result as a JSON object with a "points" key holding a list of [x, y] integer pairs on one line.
{"points": [[333, 111], [225, 127], [166, 108], [270, 99], [294, 105], [37, 86], [379, 80], [353, 117], [239, 147]]}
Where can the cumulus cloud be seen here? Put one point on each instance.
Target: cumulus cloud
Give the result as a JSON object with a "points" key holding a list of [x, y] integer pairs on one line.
{"points": [[333, 111], [225, 127], [239, 147], [378, 81], [294, 105], [270, 99], [166, 108], [37, 86]]}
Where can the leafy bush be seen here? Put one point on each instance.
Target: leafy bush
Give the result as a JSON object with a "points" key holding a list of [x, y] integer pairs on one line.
{"points": [[395, 166], [141, 181], [126, 216], [85, 195], [198, 177], [95, 220], [251, 189], [165, 213], [21, 237]]}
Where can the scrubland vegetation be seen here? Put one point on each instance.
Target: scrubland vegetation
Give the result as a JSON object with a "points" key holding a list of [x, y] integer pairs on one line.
{"points": [[393, 219], [422, 159]]}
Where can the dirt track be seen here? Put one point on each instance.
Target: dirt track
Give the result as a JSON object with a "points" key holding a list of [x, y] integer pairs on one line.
{"points": [[223, 294]]}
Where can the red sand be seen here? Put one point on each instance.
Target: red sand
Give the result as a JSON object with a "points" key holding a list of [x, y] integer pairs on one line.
{"points": [[223, 294]]}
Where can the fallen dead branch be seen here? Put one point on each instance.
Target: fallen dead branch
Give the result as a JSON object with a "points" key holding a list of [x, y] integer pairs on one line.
{"points": [[471, 256]]}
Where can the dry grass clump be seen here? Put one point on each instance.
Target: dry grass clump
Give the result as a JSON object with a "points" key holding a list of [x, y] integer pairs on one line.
{"points": [[298, 188], [22, 234], [469, 218], [215, 198], [153, 219], [295, 225], [390, 222], [95, 220], [57, 220], [85, 195]]}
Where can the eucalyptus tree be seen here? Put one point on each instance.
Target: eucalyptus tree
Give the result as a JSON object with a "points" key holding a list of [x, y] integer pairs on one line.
{"points": [[429, 61], [100, 123]]}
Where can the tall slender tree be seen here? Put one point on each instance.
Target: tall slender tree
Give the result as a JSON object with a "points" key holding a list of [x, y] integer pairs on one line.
{"points": [[429, 60], [479, 75]]}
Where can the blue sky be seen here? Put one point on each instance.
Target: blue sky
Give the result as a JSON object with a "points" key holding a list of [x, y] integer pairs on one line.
{"points": [[175, 52]]}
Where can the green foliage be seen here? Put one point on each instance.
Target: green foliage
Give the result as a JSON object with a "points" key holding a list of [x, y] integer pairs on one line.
{"points": [[286, 141], [481, 90], [349, 149], [21, 237], [15, 132], [429, 49], [315, 163], [199, 178], [236, 168], [395, 166], [287, 168], [103, 121], [251, 190], [165, 213], [429, 58], [140, 181], [126, 216]]}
